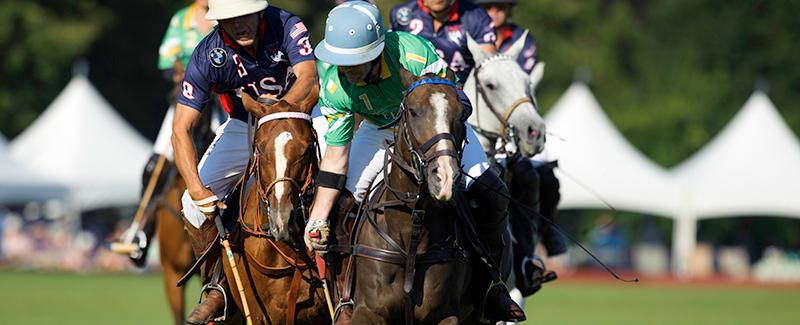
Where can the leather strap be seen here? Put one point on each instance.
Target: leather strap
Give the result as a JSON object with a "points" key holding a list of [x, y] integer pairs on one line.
{"points": [[292, 304]]}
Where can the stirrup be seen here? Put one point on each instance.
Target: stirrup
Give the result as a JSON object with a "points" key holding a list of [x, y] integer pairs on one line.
{"points": [[341, 305], [502, 286], [217, 287]]}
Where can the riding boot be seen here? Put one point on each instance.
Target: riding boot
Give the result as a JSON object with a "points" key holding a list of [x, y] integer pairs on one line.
{"points": [[491, 217], [549, 197], [524, 182], [213, 305]]}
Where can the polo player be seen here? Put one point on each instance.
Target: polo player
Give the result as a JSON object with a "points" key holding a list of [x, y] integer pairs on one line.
{"points": [[359, 64], [508, 33], [446, 23], [258, 49]]}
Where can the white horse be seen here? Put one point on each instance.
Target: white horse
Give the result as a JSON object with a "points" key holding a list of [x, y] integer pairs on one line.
{"points": [[502, 96]]}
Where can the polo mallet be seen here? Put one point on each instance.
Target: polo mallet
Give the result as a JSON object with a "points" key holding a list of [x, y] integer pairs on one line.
{"points": [[126, 245], [224, 239], [322, 269]]}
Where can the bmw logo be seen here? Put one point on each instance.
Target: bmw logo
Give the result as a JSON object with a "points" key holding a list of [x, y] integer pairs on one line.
{"points": [[218, 57]]}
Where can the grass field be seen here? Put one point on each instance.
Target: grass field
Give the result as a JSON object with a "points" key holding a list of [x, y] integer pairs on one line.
{"points": [[34, 298]]}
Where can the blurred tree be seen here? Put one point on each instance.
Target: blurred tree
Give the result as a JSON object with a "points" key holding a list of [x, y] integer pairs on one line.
{"points": [[39, 40]]}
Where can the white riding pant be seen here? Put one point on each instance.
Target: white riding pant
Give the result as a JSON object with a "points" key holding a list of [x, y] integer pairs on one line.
{"points": [[163, 144], [367, 155], [221, 167]]}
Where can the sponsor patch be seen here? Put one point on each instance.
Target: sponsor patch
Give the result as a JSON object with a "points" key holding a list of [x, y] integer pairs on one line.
{"points": [[403, 16], [218, 57]]}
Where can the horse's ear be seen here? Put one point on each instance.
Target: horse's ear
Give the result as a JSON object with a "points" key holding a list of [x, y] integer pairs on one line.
{"points": [[516, 48], [450, 75], [252, 106], [477, 54], [282, 106], [407, 78], [536, 76]]}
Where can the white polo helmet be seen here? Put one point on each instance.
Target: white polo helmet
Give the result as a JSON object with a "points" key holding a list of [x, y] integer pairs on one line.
{"points": [[224, 9]]}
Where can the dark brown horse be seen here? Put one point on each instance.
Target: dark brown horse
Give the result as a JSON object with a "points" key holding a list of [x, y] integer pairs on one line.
{"points": [[410, 261], [280, 279]]}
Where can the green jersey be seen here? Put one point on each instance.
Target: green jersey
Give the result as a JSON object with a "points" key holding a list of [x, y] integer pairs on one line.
{"points": [[181, 38], [378, 103]]}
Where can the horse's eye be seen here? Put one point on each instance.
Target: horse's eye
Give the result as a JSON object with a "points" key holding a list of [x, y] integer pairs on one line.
{"points": [[413, 111], [491, 86]]}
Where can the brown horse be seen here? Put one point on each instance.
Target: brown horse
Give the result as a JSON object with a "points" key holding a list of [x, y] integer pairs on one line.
{"points": [[410, 262], [280, 280], [174, 247]]}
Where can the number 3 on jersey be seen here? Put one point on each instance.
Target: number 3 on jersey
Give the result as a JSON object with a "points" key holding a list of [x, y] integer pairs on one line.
{"points": [[365, 99]]}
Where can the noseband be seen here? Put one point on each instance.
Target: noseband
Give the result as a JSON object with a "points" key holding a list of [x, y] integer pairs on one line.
{"points": [[504, 126]]}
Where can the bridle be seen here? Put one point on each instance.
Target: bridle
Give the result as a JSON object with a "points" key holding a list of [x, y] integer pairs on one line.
{"points": [[304, 192], [421, 156], [410, 202], [479, 90]]}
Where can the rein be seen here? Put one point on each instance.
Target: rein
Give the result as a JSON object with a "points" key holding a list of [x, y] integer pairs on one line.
{"points": [[503, 119]]}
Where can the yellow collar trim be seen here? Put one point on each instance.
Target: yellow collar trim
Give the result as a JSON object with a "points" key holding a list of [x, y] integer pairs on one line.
{"points": [[385, 72]]}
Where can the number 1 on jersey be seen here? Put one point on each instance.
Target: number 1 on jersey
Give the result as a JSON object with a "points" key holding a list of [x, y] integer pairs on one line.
{"points": [[366, 101]]}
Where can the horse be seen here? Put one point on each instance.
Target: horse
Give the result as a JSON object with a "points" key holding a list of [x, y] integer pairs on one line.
{"points": [[507, 122], [281, 283], [502, 97], [409, 261], [174, 248]]}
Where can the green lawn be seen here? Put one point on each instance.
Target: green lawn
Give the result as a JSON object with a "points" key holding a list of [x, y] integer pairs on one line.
{"points": [[33, 298]]}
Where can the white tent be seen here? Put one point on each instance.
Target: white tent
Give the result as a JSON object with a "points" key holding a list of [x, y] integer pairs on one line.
{"points": [[596, 161], [81, 141], [19, 185], [752, 167]]}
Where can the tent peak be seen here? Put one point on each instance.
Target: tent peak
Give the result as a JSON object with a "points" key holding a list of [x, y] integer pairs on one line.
{"points": [[761, 84], [80, 68], [583, 75]]}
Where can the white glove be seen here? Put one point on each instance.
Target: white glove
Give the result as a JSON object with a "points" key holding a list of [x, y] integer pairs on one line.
{"points": [[316, 235]]}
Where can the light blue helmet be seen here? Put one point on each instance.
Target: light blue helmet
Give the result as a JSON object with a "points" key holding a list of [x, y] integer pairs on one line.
{"points": [[353, 34]]}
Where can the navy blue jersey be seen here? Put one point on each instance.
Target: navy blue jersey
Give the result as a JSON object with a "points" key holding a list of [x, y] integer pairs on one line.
{"points": [[218, 64], [450, 41], [510, 33]]}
